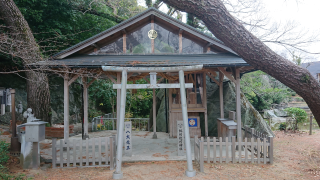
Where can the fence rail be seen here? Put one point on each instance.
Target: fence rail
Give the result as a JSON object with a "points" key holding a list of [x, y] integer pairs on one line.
{"points": [[94, 152], [250, 150], [101, 123]]}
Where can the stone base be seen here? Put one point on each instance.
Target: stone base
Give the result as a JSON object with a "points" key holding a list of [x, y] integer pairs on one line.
{"points": [[190, 173], [116, 175], [154, 136]]}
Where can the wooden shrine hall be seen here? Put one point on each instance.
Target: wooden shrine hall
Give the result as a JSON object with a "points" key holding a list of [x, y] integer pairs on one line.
{"points": [[153, 46]]}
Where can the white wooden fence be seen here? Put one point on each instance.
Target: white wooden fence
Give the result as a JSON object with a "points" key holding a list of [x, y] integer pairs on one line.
{"points": [[250, 151], [94, 152]]}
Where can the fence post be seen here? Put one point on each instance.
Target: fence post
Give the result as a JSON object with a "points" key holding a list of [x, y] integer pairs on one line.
{"points": [[245, 131], [310, 131], [252, 132], [111, 153], [201, 155], [195, 146], [233, 149], [54, 152], [270, 149]]}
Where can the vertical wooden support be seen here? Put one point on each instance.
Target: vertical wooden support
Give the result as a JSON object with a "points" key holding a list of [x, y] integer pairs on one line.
{"points": [[264, 151], [152, 40], [85, 107], [54, 152], [111, 153], [252, 132], [68, 153], [208, 149], [258, 150], [61, 153], [227, 150], [154, 114], [233, 149], [201, 155], [124, 42], [246, 149], [74, 153], [81, 159], [204, 102], [180, 41], [93, 151], [66, 107], [87, 152], [252, 150], [214, 149], [107, 150], [238, 104], [310, 131], [195, 147], [270, 150], [118, 102], [221, 94], [220, 150], [99, 156]]}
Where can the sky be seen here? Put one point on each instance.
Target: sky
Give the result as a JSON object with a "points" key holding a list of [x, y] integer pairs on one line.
{"points": [[305, 13]]}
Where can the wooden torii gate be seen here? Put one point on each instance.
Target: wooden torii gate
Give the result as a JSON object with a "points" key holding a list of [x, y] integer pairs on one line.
{"points": [[190, 172]]}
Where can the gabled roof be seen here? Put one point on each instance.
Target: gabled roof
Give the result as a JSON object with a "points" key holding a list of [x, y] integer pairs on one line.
{"points": [[135, 19]]}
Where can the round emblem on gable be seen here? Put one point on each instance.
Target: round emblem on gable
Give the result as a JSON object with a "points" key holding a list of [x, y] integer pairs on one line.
{"points": [[192, 122], [152, 34]]}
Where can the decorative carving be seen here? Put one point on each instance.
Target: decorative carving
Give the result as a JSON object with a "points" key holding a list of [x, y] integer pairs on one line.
{"points": [[152, 34]]}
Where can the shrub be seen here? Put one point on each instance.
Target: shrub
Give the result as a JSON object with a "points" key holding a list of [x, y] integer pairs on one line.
{"points": [[4, 153], [298, 114]]}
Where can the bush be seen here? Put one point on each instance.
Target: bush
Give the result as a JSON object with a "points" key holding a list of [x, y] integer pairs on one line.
{"points": [[4, 153], [282, 126], [298, 114]]}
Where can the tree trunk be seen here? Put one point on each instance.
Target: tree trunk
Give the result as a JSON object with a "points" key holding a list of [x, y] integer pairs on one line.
{"points": [[226, 28], [25, 47]]}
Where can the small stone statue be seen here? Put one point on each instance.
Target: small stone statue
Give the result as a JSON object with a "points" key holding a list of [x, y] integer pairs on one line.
{"points": [[29, 115]]}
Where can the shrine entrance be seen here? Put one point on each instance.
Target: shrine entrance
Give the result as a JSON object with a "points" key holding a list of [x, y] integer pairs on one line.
{"points": [[153, 85]]}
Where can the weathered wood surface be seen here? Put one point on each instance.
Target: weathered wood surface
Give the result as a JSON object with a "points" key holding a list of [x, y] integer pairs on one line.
{"points": [[88, 147]]}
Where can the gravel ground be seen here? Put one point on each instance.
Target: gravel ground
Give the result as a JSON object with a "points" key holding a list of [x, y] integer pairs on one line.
{"points": [[296, 156]]}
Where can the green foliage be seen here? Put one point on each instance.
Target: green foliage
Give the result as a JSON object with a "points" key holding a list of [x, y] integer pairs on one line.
{"points": [[282, 126], [4, 153], [103, 96], [263, 90], [298, 114]]}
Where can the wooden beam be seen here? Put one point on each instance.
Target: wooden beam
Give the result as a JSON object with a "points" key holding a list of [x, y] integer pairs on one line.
{"points": [[85, 107], [213, 79], [221, 95], [154, 114], [66, 108], [73, 79], [227, 74], [118, 100], [111, 78], [145, 78], [238, 105], [160, 80], [180, 40], [95, 78], [129, 75], [204, 102], [124, 43]]}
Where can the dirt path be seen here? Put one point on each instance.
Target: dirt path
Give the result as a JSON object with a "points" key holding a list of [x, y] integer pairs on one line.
{"points": [[296, 156]]}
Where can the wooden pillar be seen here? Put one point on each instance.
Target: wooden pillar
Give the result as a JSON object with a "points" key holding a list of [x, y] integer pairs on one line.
{"points": [[152, 40], [124, 42], [204, 104], [66, 107], [118, 99], [238, 104], [154, 113], [85, 107], [180, 41], [221, 94]]}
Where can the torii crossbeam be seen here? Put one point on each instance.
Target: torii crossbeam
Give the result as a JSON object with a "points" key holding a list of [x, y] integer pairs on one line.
{"points": [[190, 172]]}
